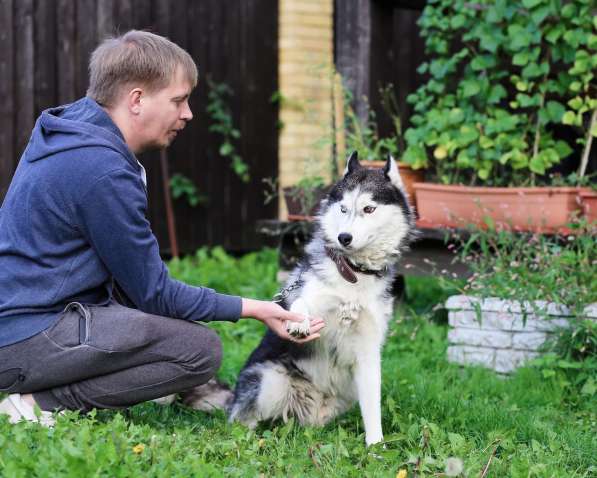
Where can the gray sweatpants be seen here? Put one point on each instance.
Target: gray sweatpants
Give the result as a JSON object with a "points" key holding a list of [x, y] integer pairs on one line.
{"points": [[109, 357]]}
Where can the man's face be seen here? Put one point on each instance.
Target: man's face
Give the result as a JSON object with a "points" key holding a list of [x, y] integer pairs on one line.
{"points": [[164, 113]]}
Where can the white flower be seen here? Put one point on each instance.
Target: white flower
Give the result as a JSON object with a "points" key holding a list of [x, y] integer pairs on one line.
{"points": [[454, 466]]}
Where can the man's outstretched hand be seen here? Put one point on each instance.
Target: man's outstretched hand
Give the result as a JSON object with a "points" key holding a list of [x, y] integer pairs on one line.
{"points": [[275, 317]]}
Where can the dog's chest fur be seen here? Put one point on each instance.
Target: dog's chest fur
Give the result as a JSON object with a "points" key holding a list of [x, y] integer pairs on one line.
{"points": [[353, 314]]}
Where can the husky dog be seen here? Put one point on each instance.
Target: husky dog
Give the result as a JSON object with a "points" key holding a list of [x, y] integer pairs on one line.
{"points": [[346, 277]]}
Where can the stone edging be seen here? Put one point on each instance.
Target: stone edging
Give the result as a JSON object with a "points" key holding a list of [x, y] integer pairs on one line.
{"points": [[502, 334]]}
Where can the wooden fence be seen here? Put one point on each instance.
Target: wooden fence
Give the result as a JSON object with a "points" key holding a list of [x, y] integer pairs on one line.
{"points": [[44, 51], [377, 43]]}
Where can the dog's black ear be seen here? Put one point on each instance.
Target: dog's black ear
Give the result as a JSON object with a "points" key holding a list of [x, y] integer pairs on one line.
{"points": [[352, 164]]}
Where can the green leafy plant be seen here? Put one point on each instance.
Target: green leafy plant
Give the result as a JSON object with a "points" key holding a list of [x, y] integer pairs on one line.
{"points": [[270, 189], [363, 136], [572, 356], [223, 124], [532, 267], [183, 187], [501, 75]]}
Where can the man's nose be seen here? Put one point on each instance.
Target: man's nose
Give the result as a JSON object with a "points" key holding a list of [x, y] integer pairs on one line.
{"points": [[187, 114]]}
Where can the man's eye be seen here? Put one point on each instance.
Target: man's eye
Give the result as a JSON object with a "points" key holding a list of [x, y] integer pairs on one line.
{"points": [[368, 209], [343, 209]]}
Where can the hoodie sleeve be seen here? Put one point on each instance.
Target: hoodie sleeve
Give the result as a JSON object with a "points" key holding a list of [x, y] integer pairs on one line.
{"points": [[112, 216]]}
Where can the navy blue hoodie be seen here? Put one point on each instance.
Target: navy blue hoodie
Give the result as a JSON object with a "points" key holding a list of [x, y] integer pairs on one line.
{"points": [[74, 220]]}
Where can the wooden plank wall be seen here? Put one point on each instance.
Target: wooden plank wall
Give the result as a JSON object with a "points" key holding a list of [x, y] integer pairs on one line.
{"points": [[44, 52], [377, 42]]}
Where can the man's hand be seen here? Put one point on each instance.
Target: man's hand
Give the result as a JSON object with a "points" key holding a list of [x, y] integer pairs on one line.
{"points": [[275, 317]]}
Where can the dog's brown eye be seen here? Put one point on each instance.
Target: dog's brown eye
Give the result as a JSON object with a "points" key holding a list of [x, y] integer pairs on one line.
{"points": [[368, 209], [343, 209]]}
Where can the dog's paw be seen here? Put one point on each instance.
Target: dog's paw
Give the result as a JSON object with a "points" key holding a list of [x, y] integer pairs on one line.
{"points": [[299, 330], [373, 438], [211, 396]]}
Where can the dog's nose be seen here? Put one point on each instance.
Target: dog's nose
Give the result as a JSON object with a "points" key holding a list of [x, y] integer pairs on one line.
{"points": [[345, 238]]}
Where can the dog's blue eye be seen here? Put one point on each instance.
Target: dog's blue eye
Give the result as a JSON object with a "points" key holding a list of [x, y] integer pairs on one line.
{"points": [[368, 209], [343, 209]]}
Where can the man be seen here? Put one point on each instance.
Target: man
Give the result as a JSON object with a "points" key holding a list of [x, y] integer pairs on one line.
{"points": [[73, 232]]}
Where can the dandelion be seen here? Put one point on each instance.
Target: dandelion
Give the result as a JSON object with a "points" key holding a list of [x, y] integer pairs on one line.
{"points": [[402, 474], [454, 466], [138, 449]]}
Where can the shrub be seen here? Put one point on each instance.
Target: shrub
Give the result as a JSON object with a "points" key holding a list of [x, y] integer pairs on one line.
{"points": [[530, 267], [502, 75]]}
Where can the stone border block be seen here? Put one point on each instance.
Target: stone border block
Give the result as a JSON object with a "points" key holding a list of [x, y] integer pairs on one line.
{"points": [[506, 361], [528, 340], [480, 337], [503, 334], [468, 355]]}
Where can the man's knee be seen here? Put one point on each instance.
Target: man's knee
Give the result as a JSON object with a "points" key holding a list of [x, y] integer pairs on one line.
{"points": [[214, 348], [204, 356]]}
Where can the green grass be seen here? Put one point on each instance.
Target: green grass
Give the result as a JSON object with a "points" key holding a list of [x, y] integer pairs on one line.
{"points": [[528, 425]]}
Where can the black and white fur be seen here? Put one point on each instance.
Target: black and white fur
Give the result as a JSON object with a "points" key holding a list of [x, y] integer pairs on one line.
{"points": [[316, 381]]}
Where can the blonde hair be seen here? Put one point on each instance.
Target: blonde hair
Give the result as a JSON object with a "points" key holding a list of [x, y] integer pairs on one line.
{"points": [[137, 57]]}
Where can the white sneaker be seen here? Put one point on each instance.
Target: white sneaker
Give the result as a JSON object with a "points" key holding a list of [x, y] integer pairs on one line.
{"points": [[18, 409]]}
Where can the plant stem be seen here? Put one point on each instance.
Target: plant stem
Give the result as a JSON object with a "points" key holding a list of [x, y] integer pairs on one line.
{"points": [[486, 468], [537, 134], [585, 154]]}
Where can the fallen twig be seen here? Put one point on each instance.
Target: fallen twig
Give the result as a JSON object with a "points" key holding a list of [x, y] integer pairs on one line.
{"points": [[486, 469]]}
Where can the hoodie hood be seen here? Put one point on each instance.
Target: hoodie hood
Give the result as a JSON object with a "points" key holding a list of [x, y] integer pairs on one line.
{"points": [[82, 124]]}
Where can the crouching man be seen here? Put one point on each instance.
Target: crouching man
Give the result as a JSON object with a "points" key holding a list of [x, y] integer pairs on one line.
{"points": [[73, 233]]}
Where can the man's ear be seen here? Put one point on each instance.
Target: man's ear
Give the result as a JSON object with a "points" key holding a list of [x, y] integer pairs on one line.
{"points": [[133, 99], [352, 164], [390, 171]]}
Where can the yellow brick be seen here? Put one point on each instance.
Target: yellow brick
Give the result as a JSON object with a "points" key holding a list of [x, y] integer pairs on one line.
{"points": [[305, 79], [305, 44], [322, 7], [308, 19], [304, 31], [309, 58]]}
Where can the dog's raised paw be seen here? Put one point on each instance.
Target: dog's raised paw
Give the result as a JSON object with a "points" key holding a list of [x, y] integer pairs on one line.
{"points": [[299, 330]]}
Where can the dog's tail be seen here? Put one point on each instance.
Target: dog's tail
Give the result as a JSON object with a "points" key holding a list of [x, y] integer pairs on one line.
{"points": [[211, 396]]}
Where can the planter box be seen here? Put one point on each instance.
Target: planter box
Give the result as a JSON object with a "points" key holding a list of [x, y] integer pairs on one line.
{"points": [[502, 334], [520, 209], [588, 199]]}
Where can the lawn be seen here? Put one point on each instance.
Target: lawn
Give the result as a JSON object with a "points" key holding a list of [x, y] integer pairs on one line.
{"points": [[533, 424]]}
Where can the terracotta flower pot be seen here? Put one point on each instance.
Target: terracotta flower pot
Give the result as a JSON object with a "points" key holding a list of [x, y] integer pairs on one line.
{"points": [[541, 209], [588, 200], [409, 177]]}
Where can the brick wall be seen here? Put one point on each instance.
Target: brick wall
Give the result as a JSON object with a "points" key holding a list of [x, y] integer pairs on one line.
{"points": [[304, 74]]}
